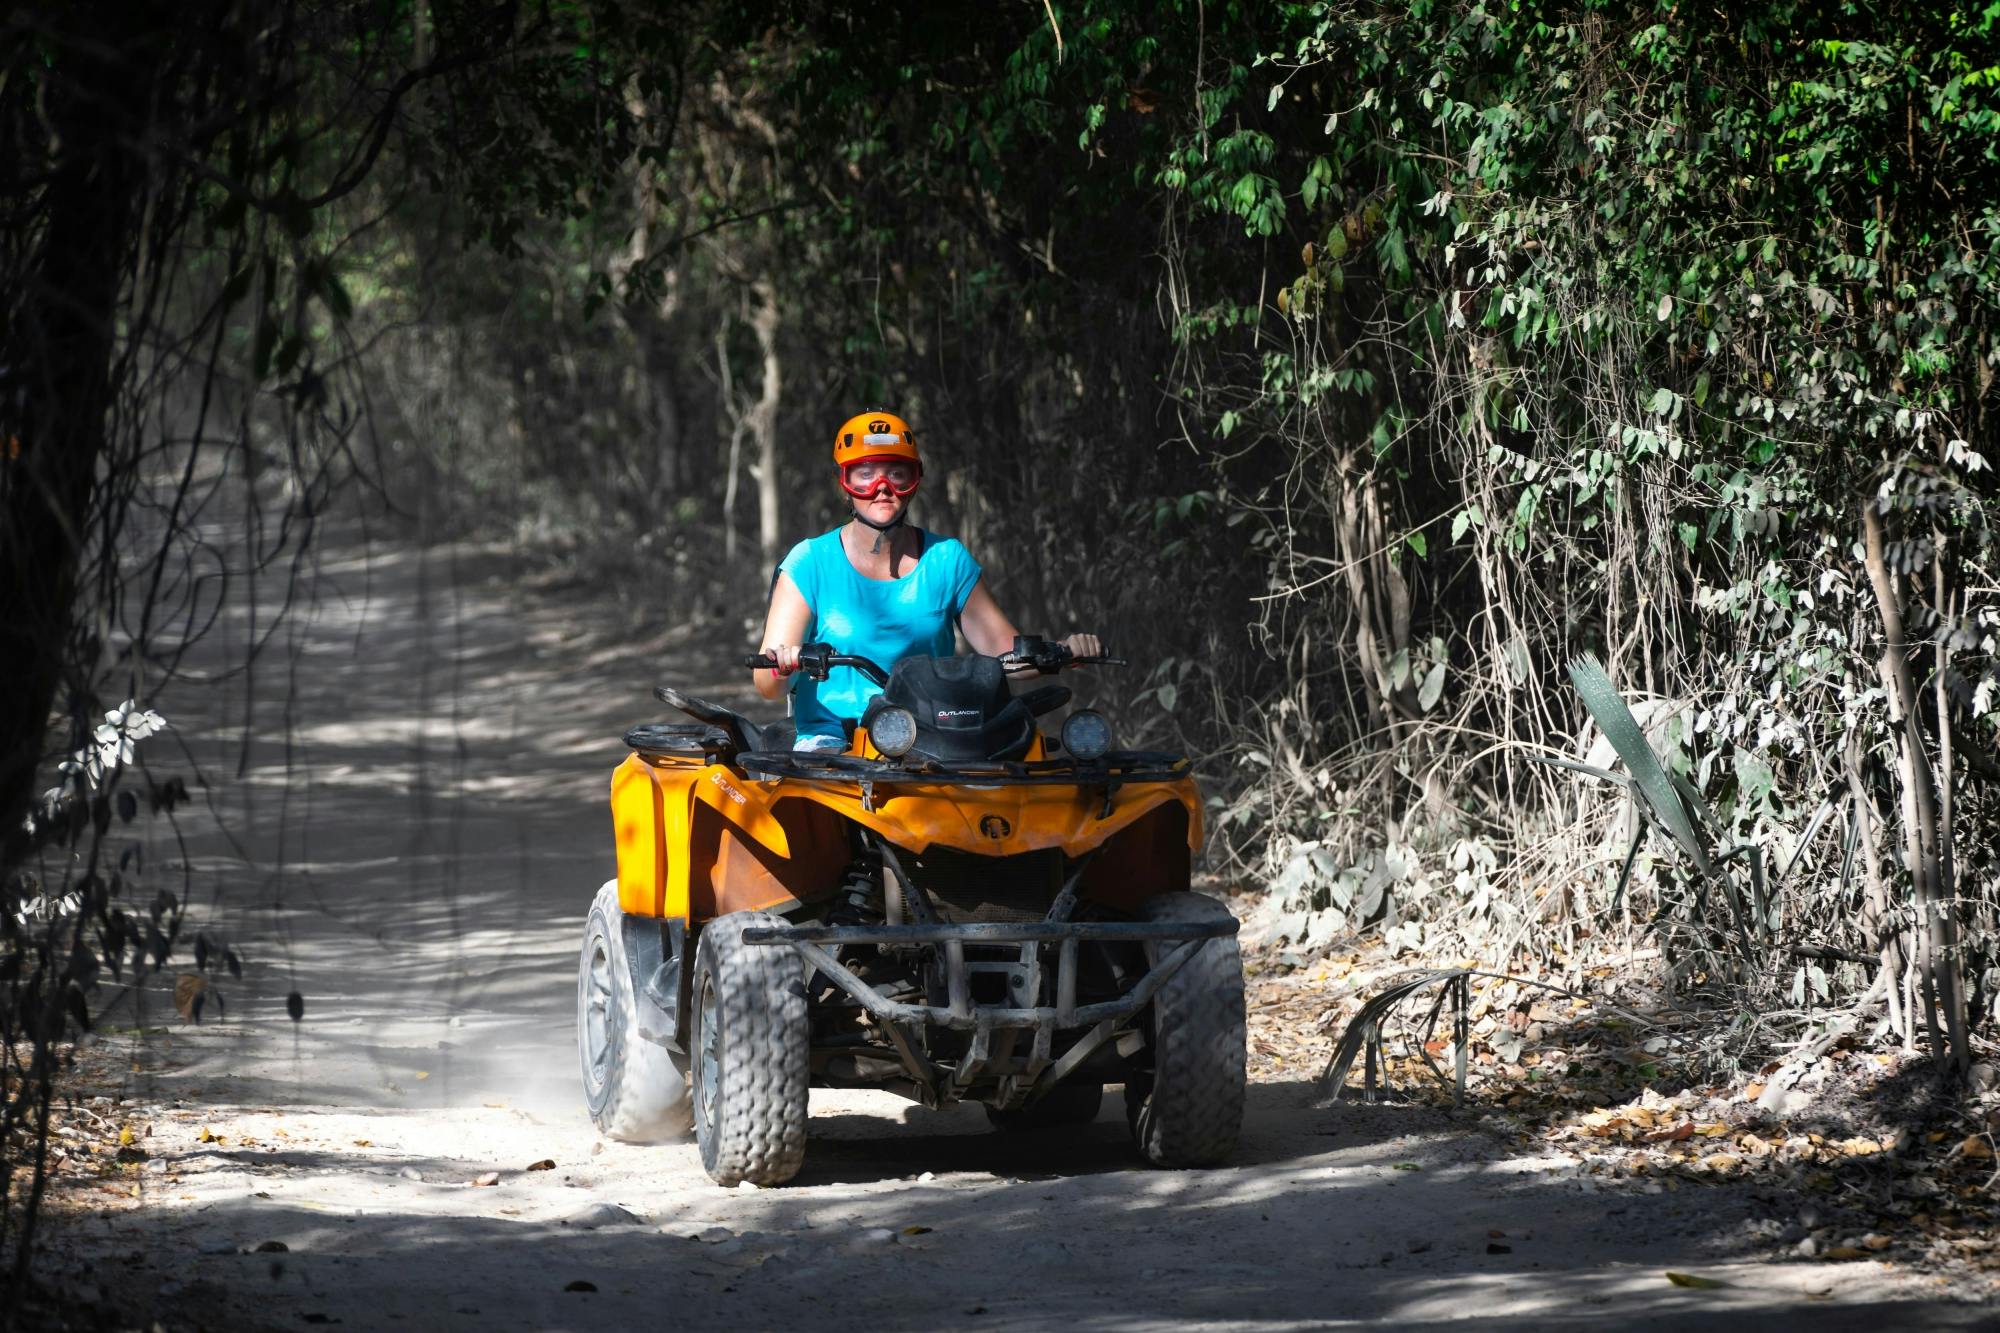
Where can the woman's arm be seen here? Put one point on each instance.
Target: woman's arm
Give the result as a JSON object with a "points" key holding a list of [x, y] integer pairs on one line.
{"points": [[989, 631], [785, 628], [986, 626]]}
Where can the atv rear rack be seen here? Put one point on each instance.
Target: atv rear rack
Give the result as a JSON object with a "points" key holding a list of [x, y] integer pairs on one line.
{"points": [[1039, 1072]]}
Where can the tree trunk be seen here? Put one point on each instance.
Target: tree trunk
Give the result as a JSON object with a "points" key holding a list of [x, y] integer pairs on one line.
{"points": [[763, 419], [1936, 933], [1878, 916], [727, 396], [58, 379]]}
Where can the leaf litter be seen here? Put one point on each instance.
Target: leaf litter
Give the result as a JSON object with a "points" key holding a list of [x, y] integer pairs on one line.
{"points": [[1853, 1142]]}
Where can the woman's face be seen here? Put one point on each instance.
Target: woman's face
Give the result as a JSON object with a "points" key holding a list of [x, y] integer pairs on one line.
{"points": [[880, 487]]}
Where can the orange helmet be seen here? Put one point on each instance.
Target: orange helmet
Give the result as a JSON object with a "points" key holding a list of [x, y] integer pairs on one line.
{"points": [[875, 435]]}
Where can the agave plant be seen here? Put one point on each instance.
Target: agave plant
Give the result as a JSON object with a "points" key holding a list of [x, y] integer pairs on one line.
{"points": [[1667, 801]]}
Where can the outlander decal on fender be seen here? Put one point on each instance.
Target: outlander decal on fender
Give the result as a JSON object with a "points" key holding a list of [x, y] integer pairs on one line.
{"points": [[728, 790]]}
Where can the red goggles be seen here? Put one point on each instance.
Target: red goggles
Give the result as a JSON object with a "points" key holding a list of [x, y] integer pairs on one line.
{"points": [[874, 477]]}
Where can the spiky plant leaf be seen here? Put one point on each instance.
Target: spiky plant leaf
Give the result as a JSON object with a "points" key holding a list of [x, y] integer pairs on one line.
{"points": [[1649, 775]]}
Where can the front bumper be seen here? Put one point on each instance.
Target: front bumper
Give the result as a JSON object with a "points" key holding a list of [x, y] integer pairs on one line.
{"points": [[961, 1013], [1029, 1074]]}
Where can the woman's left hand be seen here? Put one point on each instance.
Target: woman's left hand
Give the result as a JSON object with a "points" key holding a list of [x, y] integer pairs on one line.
{"points": [[1084, 645]]}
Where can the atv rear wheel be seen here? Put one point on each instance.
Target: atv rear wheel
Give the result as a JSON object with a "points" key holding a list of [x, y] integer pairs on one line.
{"points": [[1067, 1104], [634, 1088], [750, 1054], [1190, 1110]]}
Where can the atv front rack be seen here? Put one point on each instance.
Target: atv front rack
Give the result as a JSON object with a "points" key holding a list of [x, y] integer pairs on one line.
{"points": [[1116, 768], [1038, 1072]]}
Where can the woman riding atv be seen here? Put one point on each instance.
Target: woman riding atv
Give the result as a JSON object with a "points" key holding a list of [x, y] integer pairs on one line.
{"points": [[876, 587], [929, 891]]}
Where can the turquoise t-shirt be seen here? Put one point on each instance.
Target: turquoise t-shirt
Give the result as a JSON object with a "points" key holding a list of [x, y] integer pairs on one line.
{"points": [[882, 620]]}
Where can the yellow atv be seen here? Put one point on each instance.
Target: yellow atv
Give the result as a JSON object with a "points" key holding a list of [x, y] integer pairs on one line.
{"points": [[957, 907]]}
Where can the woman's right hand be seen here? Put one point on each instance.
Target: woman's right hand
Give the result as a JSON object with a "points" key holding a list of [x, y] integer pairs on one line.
{"points": [[786, 655]]}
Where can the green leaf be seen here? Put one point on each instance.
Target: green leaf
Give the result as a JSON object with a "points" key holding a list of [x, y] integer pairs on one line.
{"points": [[1649, 776], [1418, 544], [334, 293], [1432, 689]]}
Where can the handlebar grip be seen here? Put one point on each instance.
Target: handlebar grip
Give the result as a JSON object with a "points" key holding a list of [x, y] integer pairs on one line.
{"points": [[760, 660]]}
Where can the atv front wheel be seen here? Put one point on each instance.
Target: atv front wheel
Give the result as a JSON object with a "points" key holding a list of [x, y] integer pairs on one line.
{"points": [[634, 1089], [1065, 1104], [750, 1054], [1190, 1110]]}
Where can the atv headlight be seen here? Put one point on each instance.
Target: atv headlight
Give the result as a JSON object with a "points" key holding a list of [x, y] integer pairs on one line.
{"points": [[1086, 735], [894, 731]]}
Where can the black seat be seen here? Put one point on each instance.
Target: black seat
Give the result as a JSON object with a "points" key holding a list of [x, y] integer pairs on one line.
{"points": [[742, 732]]}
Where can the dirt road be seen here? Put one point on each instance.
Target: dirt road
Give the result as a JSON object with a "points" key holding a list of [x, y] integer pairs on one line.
{"points": [[415, 835]]}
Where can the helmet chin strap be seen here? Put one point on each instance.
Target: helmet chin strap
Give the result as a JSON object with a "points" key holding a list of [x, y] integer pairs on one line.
{"points": [[882, 530]]}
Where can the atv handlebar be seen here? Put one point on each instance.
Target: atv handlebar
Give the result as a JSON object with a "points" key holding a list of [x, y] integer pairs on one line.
{"points": [[1048, 657], [816, 659], [1029, 654]]}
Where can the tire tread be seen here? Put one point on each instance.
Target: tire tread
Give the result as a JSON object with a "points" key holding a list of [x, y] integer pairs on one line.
{"points": [[760, 994], [1192, 1115]]}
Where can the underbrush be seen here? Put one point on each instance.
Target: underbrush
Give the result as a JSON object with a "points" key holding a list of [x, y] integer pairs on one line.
{"points": [[1859, 1152]]}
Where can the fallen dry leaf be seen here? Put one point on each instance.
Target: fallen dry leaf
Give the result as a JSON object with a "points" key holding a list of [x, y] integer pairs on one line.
{"points": [[1976, 1148], [546, 1164], [1678, 1134], [1693, 1280], [490, 1178], [188, 987], [1845, 1252]]}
